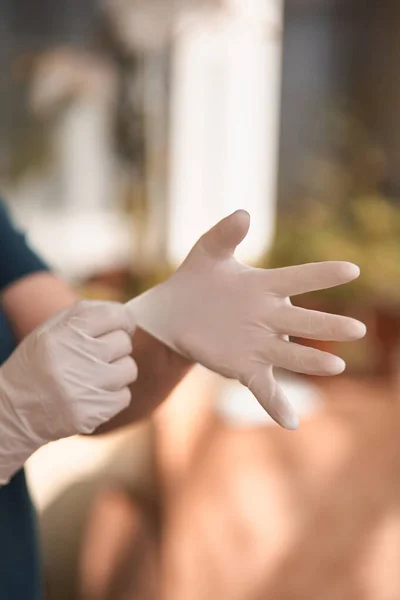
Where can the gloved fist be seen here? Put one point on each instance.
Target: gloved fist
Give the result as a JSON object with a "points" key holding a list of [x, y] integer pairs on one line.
{"points": [[69, 376], [235, 319]]}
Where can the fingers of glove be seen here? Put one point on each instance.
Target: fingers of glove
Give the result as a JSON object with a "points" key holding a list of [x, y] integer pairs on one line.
{"points": [[225, 236], [99, 318], [272, 398], [113, 346], [115, 402], [291, 281], [302, 359], [314, 325], [122, 399], [120, 374]]}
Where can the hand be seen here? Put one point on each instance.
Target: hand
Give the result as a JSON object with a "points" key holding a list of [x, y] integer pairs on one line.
{"points": [[235, 319], [69, 376]]}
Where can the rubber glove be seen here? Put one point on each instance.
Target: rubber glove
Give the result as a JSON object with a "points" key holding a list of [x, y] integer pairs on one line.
{"points": [[235, 319], [67, 377]]}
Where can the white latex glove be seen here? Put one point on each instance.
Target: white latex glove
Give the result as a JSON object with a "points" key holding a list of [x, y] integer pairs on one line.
{"points": [[67, 377], [235, 319]]}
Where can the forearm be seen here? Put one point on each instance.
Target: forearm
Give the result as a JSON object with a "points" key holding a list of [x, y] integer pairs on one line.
{"points": [[34, 299], [160, 370]]}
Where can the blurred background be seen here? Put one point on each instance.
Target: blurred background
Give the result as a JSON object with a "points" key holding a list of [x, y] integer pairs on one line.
{"points": [[128, 128]]}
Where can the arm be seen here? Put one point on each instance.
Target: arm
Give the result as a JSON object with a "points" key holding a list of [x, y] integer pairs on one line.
{"points": [[33, 299], [31, 295], [217, 311], [159, 372]]}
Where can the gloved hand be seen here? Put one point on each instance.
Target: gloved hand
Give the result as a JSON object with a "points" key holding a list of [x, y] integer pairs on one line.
{"points": [[69, 376], [235, 319]]}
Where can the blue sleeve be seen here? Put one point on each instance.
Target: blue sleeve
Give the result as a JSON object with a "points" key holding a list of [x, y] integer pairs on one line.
{"points": [[17, 259]]}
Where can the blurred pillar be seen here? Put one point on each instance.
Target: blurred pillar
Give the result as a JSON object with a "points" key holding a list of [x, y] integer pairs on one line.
{"points": [[85, 147], [155, 108], [224, 139], [82, 88], [226, 74], [84, 231], [374, 81]]}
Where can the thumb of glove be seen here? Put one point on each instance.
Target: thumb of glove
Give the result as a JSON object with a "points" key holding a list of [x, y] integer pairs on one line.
{"points": [[222, 239], [272, 399]]}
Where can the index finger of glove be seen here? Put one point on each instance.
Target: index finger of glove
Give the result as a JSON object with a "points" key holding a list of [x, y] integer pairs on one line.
{"points": [[99, 318], [301, 279]]}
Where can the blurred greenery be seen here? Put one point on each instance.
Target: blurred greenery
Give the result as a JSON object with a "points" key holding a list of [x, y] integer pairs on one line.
{"points": [[366, 231], [341, 211]]}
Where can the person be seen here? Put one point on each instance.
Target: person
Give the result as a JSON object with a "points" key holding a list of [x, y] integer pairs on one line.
{"points": [[31, 294], [83, 367]]}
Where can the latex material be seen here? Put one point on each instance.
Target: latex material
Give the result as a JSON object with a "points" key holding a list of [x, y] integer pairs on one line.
{"points": [[69, 376], [235, 319]]}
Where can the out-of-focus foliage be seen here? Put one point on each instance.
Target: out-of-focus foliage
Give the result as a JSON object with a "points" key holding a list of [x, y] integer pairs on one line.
{"points": [[366, 231], [343, 213]]}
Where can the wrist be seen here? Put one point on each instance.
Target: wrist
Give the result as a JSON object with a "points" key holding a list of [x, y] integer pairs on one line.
{"points": [[150, 349], [153, 312]]}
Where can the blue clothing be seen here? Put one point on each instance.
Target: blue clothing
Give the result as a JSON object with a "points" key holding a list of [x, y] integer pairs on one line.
{"points": [[19, 555]]}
